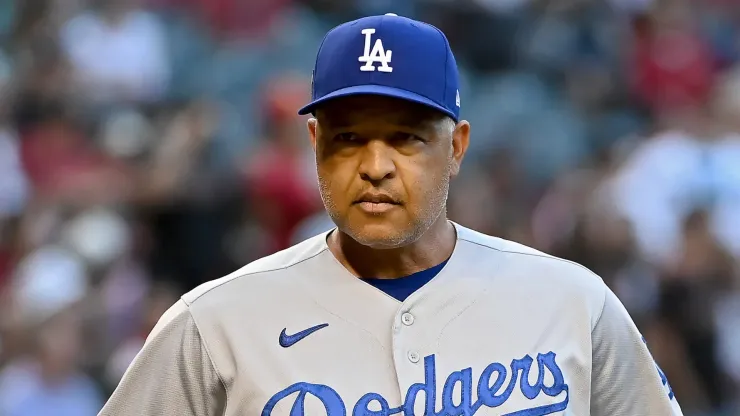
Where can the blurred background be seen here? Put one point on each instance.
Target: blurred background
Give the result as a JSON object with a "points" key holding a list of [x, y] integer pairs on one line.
{"points": [[147, 146]]}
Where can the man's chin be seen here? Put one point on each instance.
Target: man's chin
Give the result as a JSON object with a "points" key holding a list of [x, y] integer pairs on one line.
{"points": [[382, 237]]}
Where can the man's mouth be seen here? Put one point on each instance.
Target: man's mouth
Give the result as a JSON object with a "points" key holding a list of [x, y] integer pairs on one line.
{"points": [[376, 203]]}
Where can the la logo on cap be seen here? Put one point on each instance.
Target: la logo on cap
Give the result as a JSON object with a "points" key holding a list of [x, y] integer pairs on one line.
{"points": [[378, 54]]}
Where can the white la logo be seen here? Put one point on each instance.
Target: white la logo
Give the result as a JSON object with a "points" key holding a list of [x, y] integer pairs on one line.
{"points": [[378, 54]]}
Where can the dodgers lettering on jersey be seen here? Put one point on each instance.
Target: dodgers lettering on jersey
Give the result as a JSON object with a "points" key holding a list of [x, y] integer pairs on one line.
{"points": [[491, 390]]}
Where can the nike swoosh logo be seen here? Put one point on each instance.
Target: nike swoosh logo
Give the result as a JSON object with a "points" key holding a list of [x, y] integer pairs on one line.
{"points": [[288, 340]]}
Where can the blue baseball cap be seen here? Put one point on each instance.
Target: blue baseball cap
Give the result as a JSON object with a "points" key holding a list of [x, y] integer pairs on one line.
{"points": [[390, 56]]}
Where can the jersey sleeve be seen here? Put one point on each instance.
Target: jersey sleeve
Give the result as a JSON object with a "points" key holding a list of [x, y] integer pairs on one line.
{"points": [[625, 380], [171, 375]]}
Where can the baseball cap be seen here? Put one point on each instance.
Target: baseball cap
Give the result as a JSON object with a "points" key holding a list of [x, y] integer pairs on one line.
{"points": [[387, 55]]}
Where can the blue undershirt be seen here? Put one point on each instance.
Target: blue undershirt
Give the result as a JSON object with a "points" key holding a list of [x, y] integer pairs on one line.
{"points": [[402, 287]]}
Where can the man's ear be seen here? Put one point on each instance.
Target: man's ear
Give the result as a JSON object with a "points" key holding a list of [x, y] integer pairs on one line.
{"points": [[460, 143], [312, 126]]}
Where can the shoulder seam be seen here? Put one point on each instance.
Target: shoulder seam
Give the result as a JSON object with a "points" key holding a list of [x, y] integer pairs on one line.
{"points": [[253, 273], [209, 355], [603, 303], [544, 256]]}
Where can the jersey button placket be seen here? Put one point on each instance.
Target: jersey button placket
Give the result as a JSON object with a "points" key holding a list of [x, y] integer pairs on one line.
{"points": [[407, 319], [408, 345]]}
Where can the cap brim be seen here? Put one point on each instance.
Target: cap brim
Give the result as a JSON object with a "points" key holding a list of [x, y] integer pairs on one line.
{"points": [[380, 90]]}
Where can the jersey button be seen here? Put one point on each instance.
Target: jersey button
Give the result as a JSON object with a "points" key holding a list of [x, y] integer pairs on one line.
{"points": [[407, 319], [413, 356]]}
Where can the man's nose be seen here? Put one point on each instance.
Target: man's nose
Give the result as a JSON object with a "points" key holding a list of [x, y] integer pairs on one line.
{"points": [[377, 161]]}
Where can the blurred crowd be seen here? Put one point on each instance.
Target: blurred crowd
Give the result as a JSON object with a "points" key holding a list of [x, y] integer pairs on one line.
{"points": [[147, 146]]}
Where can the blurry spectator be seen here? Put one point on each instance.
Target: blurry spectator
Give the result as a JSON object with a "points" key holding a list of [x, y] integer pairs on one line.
{"points": [[239, 19], [567, 35], [14, 187], [8, 251], [700, 274], [8, 10], [720, 20], [48, 381], [157, 301], [41, 84], [186, 196], [560, 210], [575, 220], [46, 281], [399, 7], [632, 6], [56, 155], [98, 235], [505, 6], [654, 189], [475, 202], [13, 182], [692, 163], [126, 134], [725, 221], [281, 175], [232, 20], [673, 64], [29, 26], [118, 52], [64, 165], [479, 37], [727, 315]]}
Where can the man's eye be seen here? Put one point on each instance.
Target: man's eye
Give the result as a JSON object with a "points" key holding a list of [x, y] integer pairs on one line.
{"points": [[346, 137], [407, 137]]}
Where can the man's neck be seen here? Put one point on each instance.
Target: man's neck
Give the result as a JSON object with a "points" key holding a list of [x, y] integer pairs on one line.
{"points": [[433, 248]]}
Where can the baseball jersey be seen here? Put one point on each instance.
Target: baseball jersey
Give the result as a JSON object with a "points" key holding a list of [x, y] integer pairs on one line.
{"points": [[502, 329]]}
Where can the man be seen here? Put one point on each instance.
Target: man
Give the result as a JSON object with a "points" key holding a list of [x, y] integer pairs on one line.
{"points": [[396, 311]]}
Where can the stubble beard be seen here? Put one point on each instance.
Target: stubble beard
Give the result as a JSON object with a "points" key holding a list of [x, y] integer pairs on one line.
{"points": [[435, 207]]}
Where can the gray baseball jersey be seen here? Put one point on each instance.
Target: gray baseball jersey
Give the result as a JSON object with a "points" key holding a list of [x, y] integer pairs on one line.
{"points": [[503, 329]]}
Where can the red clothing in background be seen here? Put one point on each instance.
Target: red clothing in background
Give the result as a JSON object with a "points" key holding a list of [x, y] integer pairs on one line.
{"points": [[280, 192], [233, 18], [672, 70], [59, 161]]}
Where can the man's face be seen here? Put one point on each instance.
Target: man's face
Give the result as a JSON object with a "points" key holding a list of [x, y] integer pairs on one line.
{"points": [[384, 166]]}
